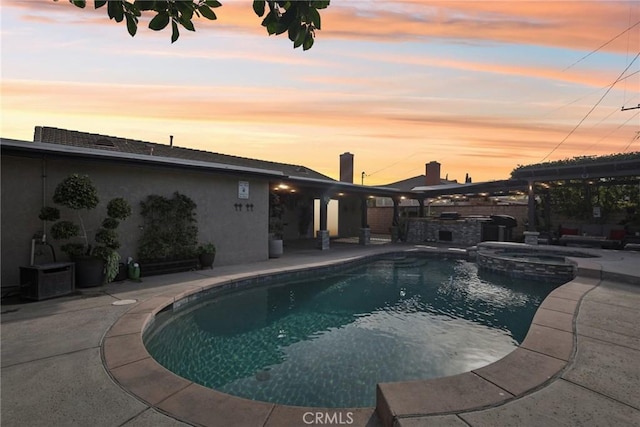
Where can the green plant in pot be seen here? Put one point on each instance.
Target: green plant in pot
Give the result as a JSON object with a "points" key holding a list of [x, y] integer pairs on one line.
{"points": [[77, 192], [118, 209], [206, 255]]}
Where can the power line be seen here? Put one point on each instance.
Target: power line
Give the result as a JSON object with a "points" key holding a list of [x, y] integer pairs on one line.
{"points": [[613, 131], [589, 94], [393, 164], [601, 46], [635, 138], [592, 108]]}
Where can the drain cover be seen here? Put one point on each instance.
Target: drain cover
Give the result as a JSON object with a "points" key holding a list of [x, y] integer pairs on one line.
{"points": [[124, 302]]}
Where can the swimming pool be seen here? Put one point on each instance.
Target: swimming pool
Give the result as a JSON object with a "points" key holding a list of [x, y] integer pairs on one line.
{"points": [[328, 341]]}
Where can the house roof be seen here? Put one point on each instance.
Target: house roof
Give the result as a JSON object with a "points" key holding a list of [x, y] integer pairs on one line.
{"points": [[411, 183], [74, 138], [586, 167]]}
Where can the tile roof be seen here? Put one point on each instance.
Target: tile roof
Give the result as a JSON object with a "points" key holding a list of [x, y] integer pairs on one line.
{"points": [[124, 145]]}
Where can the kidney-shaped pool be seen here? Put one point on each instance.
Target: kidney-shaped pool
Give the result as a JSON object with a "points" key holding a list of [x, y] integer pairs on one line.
{"points": [[326, 341]]}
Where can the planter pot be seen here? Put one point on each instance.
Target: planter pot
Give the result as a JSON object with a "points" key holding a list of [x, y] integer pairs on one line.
{"points": [[206, 260], [122, 273], [153, 268], [275, 248], [89, 271]]}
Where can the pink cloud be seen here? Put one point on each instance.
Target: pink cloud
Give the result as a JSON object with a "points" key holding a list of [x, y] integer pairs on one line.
{"points": [[583, 25]]}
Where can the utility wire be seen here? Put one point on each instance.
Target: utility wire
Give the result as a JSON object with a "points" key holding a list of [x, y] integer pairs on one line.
{"points": [[592, 108], [626, 58], [393, 164], [601, 46], [635, 138], [613, 131], [587, 95]]}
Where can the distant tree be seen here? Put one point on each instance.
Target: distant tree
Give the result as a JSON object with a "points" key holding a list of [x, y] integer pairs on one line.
{"points": [[299, 18]]}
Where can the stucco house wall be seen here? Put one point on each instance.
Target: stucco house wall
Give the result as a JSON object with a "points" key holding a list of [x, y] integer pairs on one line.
{"points": [[240, 235]]}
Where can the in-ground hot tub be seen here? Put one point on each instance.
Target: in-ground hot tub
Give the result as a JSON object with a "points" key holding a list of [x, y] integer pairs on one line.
{"points": [[530, 262]]}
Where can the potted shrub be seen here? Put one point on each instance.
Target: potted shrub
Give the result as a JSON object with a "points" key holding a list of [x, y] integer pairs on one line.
{"points": [[118, 209], [206, 255], [78, 193]]}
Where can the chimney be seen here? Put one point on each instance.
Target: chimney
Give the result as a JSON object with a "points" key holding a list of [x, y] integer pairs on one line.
{"points": [[37, 134], [171, 141], [432, 172], [346, 167]]}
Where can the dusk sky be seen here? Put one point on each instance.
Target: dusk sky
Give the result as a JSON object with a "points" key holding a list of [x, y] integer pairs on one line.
{"points": [[480, 86]]}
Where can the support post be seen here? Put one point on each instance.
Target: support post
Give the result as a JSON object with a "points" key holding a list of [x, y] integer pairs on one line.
{"points": [[323, 233], [395, 224], [365, 231], [421, 208], [531, 208]]}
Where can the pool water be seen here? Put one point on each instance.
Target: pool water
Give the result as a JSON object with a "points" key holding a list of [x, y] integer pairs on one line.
{"points": [[327, 341]]}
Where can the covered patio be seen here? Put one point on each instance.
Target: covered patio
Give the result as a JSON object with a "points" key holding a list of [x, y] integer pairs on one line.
{"points": [[588, 174]]}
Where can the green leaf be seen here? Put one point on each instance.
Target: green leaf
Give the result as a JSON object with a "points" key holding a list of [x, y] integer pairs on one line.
{"points": [[269, 22], [132, 25], [115, 10], [308, 41], [187, 23], [321, 4], [49, 213], [149, 5], [294, 30], [302, 34], [280, 28], [159, 21], [133, 10], [175, 33], [207, 12], [99, 3], [213, 3], [63, 230], [314, 16], [185, 7], [289, 18], [258, 7], [79, 3]]}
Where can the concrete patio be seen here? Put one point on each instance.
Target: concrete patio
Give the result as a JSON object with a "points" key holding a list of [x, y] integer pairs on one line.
{"points": [[54, 372]]}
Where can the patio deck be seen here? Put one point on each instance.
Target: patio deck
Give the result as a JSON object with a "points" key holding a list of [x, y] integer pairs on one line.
{"points": [[53, 371]]}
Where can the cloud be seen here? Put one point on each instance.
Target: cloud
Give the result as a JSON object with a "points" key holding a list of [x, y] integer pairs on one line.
{"points": [[580, 25]]}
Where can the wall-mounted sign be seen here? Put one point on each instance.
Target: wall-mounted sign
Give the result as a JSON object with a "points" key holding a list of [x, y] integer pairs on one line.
{"points": [[596, 212], [243, 189]]}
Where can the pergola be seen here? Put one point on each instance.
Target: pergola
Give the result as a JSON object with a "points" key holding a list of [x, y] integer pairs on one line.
{"points": [[614, 169]]}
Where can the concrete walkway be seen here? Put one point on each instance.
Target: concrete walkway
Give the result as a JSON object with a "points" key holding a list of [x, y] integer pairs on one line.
{"points": [[53, 373]]}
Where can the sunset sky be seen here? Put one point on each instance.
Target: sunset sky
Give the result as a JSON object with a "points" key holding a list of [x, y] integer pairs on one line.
{"points": [[480, 86]]}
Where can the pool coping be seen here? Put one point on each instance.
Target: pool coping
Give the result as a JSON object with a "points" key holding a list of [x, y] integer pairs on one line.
{"points": [[543, 356]]}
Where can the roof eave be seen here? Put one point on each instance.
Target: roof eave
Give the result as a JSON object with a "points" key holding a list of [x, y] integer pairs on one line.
{"points": [[25, 147]]}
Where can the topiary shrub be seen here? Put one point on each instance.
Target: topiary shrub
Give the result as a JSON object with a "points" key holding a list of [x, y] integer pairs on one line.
{"points": [[78, 193]]}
